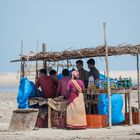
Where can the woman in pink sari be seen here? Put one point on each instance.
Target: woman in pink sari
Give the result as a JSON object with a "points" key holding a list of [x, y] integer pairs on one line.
{"points": [[76, 116]]}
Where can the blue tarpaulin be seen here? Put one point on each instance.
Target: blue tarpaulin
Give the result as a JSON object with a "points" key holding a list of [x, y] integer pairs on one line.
{"points": [[116, 103], [25, 91]]}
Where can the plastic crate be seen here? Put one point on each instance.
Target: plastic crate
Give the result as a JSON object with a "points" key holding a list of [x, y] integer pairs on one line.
{"points": [[135, 118], [97, 121]]}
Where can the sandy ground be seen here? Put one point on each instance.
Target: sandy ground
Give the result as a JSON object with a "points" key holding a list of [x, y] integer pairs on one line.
{"points": [[8, 104]]}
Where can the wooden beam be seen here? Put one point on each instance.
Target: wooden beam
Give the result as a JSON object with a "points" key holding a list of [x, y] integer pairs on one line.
{"points": [[36, 65], [49, 117], [108, 81], [130, 110], [138, 80], [22, 62], [68, 64], [44, 51]]}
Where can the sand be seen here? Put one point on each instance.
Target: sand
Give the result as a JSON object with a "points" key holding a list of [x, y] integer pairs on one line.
{"points": [[8, 104]]}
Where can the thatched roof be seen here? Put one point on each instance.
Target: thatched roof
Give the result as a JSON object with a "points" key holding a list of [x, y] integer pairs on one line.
{"points": [[82, 53]]}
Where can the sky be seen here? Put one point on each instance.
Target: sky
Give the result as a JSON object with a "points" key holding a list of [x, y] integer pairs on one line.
{"points": [[63, 24]]}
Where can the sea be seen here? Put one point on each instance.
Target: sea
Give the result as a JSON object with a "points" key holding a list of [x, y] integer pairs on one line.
{"points": [[9, 89]]}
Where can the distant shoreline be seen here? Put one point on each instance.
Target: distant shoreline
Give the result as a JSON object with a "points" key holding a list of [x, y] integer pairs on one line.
{"points": [[9, 79], [12, 78]]}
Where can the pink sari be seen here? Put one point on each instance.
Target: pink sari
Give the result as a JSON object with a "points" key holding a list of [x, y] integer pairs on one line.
{"points": [[76, 116]]}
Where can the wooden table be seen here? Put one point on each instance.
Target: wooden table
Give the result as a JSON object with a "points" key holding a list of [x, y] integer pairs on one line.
{"points": [[125, 92]]}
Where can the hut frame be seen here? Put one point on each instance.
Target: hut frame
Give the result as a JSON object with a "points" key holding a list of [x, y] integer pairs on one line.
{"points": [[99, 51]]}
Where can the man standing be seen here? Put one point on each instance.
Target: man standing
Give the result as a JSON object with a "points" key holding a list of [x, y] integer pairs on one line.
{"points": [[95, 74], [93, 71], [83, 74], [47, 83]]}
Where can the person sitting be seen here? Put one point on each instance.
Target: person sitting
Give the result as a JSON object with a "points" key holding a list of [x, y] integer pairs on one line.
{"points": [[62, 85], [53, 74], [83, 74], [76, 116], [47, 83]]}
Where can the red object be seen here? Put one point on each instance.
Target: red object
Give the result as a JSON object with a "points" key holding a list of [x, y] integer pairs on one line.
{"points": [[76, 127], [97, 121], [62, 86], [41, 123], [135, 118], [56, 121], [48, 86], [59, 122]]}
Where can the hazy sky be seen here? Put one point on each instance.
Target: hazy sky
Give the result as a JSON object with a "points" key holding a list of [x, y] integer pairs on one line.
{"points": [[62, 24]]}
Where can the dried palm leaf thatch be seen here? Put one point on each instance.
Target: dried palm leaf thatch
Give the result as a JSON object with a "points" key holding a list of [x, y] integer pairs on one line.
{"points": [[82, 53]]}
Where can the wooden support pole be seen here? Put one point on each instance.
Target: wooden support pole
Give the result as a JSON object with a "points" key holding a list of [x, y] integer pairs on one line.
{"points": [[22, 62], [49, 117], [44, 51], [67, 64], [36, 65], [57, 67], [125, 96], [108, 81], [130, 110], [138, 80]]}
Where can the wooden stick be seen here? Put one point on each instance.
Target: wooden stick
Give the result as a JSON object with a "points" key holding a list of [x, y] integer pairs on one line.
{"points": [[36, 65], [130, 110], [138, 80], [44, 51], [57, 67], [125, 96], [25, 110], [49, 117], [108, 81], [67, 64], [22, 63]]}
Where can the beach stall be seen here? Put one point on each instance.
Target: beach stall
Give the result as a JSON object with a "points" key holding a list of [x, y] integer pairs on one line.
{"points": [[102, 86], [99, 51]]}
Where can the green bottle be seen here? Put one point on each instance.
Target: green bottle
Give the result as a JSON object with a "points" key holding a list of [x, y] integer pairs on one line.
{"points": [[130, 82], [120, 83], [125, 83]]}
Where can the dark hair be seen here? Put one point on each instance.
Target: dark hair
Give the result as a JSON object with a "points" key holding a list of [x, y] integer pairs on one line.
{"points": [[65, 72], [80, 62], [43, 71], [91, 61], [51, 72]]}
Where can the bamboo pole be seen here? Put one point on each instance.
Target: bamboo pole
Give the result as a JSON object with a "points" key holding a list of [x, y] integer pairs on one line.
{"points": [[108, 81], [36, 65], [138, 80], [130, 110], [44, 51], [22, 63], [67, 64], [57, 67], [49, 117], [125, 96]]}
